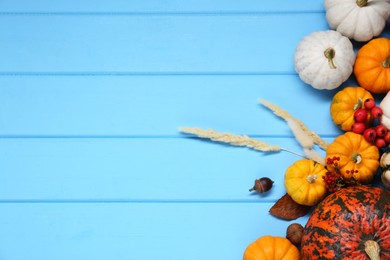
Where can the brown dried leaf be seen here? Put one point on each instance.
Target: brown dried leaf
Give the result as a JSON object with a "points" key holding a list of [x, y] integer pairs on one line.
{"points": [[286, 208]]}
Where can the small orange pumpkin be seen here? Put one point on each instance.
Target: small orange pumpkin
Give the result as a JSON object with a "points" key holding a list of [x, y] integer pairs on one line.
{"points": [[357, 157], [372, 66], [271, 248], [304, 182], [345, 103]]}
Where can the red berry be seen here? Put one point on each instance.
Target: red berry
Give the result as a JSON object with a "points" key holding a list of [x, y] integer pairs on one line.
{"points": [[380, 142], [360, 115], [381, 130], [369, 134], [376, 112], [358, 127], [387, 137], [369, 103]]}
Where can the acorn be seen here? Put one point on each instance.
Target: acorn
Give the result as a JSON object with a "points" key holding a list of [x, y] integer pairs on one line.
{"points": [[294, 233], [262, 185]]}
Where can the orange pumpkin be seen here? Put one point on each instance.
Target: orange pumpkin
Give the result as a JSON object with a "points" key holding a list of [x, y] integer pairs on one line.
{"points": [[271, 248], [372, 66], [345, 103], [357, 158], [304, 182]]}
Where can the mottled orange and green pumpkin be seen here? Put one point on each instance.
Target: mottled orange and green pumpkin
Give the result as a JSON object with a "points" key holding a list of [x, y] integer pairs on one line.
{"points": [[340, 225]]}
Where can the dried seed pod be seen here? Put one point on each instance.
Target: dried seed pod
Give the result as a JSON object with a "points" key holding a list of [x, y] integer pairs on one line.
{"points": [[262, 185], [294, 233]]}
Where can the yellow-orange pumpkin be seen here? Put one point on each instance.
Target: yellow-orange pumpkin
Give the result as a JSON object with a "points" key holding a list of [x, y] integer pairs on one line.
{"points": [[345, 103], [357, 157], [271, 248], [304, 182], [372, 66]]}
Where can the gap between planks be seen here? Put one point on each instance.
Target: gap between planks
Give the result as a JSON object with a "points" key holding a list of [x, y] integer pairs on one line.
{"points": [[151, 13], [136, 201]]}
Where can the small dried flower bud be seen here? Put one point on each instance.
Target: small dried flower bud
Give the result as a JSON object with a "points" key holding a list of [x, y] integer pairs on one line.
{"points": [[294, 233], [262, 185]]}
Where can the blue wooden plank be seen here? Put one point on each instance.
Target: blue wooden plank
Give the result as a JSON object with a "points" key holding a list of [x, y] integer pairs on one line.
{"points": [[153, 44], [157, 106], [159, 6], [92, 92], [138, 170], [133, 231]]}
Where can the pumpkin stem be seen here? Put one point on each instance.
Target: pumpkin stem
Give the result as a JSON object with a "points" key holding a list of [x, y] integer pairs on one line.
{"points": [[329, 54], [386, 62], [358, 104], [372, 249], [311, 178], [357, 158], [361, 3]]}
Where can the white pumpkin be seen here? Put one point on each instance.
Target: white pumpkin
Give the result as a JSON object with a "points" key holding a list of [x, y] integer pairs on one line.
{"points": [[384, 161], [385, 106], [385, 165], [385, 178], [360, 20], [324, 59]]}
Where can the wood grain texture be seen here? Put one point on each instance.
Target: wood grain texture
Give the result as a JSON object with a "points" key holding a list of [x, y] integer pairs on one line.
{"points": [[138, 169], [131, 230], [157, 105], [107, 44], [161, 6], [92, 93]]}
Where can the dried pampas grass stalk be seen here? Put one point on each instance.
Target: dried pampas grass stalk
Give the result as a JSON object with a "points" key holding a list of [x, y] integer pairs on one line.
{"points": [[314, 155], [300, 134], [306, 138], [236, 140], [303, 135]]}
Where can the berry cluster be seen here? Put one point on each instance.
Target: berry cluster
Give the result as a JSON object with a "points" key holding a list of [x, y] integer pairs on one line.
{"points": [[367, 123], [333, 161], [334, 180]]}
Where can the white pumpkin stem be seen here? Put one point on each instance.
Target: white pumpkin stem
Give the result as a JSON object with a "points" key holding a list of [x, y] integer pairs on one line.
{"points": [[361, 3], [386, 62], [311, 178], [372, 249], [329, 54], [357, 158]]}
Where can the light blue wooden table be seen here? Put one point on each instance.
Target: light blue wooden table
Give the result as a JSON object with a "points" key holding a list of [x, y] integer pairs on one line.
{"points": [[92, 165]]}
